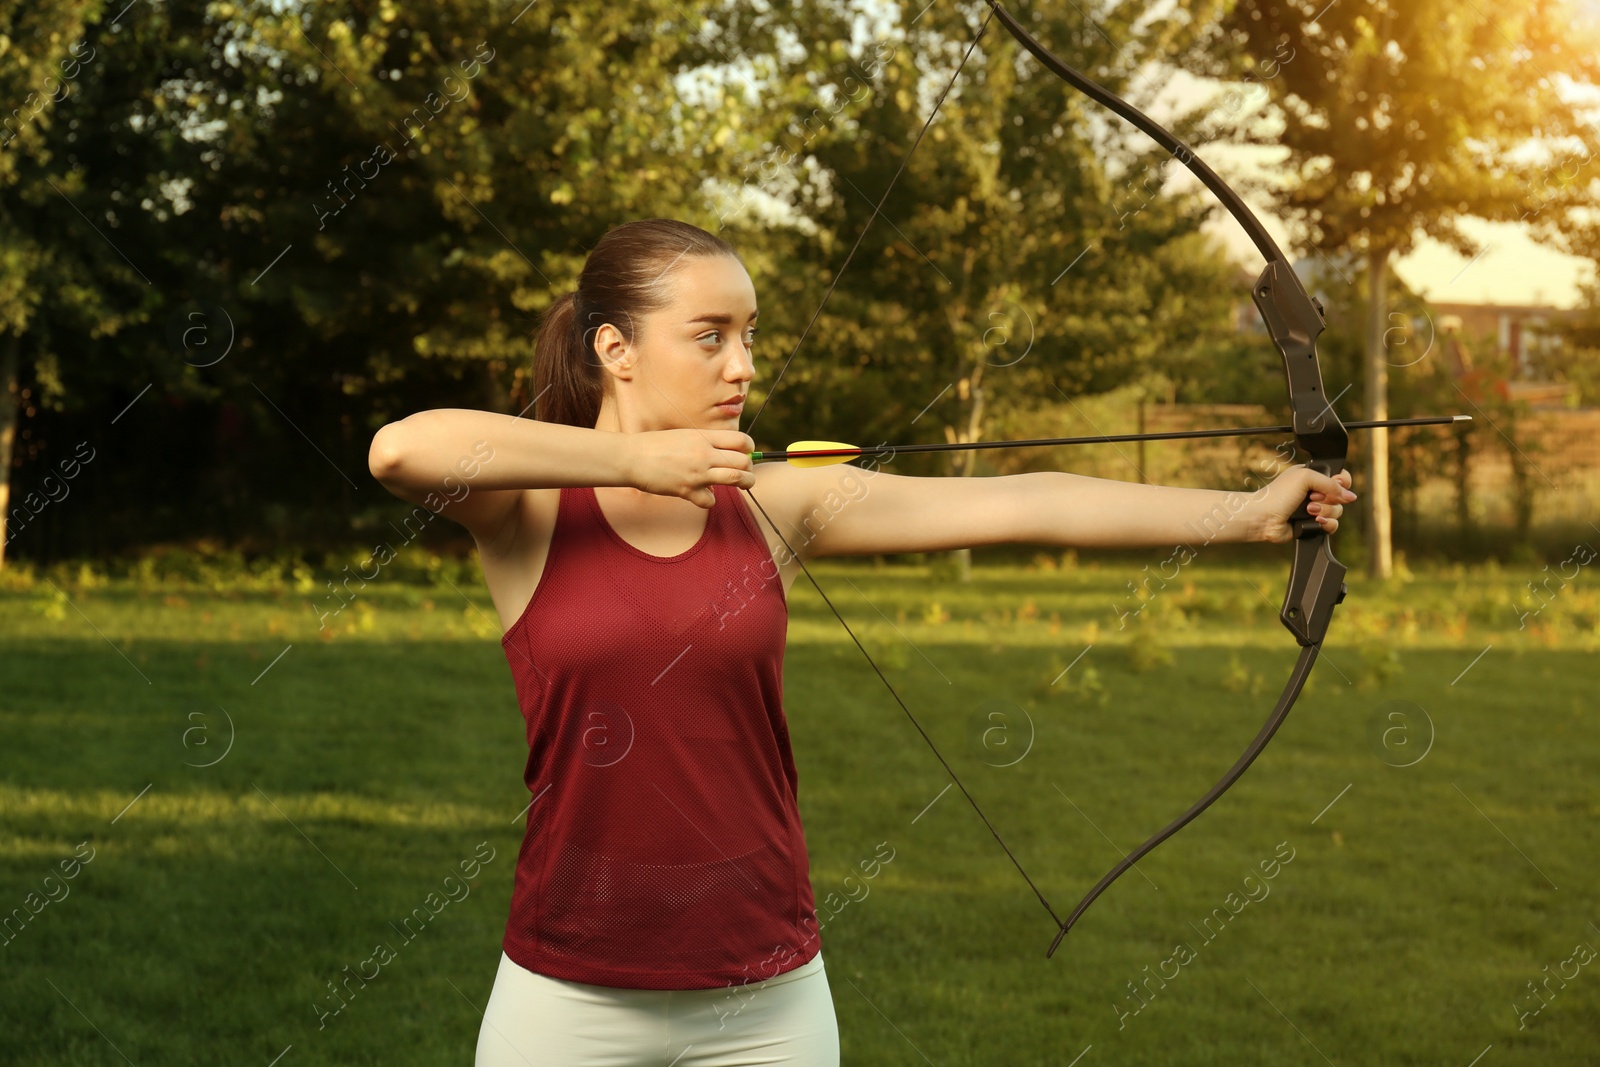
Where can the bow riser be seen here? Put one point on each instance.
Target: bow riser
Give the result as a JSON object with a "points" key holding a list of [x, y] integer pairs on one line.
{"points": [[1294, 320], [1308, 606]]}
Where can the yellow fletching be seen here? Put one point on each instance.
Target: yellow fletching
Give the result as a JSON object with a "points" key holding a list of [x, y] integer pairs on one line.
{"points": [[821, 446]]}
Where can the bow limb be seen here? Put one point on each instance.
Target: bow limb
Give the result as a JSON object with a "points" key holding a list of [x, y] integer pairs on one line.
{"points": [[1291, 691]]}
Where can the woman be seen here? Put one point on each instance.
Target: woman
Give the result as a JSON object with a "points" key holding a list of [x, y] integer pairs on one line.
{"points": [[662, 910]]}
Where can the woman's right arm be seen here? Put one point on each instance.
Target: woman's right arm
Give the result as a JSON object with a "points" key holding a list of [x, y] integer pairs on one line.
{"points": [[471, 466]]}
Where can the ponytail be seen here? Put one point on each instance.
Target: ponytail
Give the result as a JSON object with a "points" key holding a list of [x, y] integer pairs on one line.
{"points": [[566, 385]]}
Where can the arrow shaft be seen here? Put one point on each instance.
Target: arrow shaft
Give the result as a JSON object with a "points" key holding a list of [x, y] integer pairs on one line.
{"points": [[1099, 439]]}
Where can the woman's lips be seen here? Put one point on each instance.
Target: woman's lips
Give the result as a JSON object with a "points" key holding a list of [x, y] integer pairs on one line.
{"points": [[731, 407]]}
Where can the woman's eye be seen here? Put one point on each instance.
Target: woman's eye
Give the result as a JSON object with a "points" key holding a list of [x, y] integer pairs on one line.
{"points": [[714, 338]]}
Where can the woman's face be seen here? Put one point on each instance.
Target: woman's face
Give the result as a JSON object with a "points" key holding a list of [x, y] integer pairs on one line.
{"points": [[689, 364]]}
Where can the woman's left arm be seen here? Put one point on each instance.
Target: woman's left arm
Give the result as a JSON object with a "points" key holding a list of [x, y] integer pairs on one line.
{"points": [[848, 511]]}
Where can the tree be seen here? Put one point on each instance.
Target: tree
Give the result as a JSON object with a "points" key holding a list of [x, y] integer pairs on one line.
{"points": [[1577, 358], [92, 247], [1025, 255], [379, 199], [1402, 120]]}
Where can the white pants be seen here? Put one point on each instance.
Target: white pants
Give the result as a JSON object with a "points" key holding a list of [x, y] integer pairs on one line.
{"points": [[534, 1020]]}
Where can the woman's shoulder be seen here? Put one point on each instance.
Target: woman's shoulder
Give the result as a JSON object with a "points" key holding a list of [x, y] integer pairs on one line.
{"points": [[803, 488], [793, 495], [779, 487]]}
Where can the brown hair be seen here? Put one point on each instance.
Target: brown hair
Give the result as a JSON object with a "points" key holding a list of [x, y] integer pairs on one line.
{"points": [[621, 279]]}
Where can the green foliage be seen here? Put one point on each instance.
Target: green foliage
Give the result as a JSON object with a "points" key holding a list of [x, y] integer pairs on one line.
{"points": [[1146, 648], [1082, 686], [1387, 129], [1576, 359], [1386, 132], [1379, 664]]}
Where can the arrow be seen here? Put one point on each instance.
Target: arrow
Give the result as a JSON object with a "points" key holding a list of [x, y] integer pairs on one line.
{"points": [[826, 453]]}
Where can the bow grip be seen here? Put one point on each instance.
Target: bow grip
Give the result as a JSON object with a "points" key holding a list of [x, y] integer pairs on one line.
{"points": [[1316, 579]]}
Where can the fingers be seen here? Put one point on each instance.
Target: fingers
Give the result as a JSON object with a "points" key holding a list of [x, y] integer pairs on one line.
{"points": [[705, 497], [1335, 489], [1327, 497], [744, 479], [735, 460], [730, 449], [726, 461], [731, 440], [1327, 515], [1328, 523]]}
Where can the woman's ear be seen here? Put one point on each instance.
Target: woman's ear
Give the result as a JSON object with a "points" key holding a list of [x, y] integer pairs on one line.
{"points": [[613, 352]]}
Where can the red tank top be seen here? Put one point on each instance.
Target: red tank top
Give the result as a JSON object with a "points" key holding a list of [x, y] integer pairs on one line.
{"points": [[663, 847]]}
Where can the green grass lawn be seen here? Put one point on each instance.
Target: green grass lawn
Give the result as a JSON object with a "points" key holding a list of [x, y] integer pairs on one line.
{"points": [[1427, 813]]}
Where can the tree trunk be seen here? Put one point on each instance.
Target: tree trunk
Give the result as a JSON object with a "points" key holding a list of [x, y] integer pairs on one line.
{"points": [[1380, 558], [1521, 483], [973, 387], [1463, 476], [10, 398], [1140, 429]]}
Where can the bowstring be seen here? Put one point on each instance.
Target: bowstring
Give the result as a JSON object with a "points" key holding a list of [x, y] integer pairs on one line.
{"points": [[815, 315], [897, 699]]}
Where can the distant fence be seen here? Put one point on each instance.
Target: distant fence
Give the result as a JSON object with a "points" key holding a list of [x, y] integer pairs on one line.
{"points": [[1563, 457]]}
